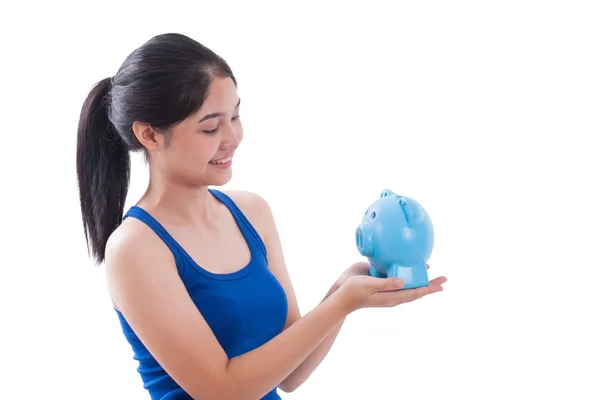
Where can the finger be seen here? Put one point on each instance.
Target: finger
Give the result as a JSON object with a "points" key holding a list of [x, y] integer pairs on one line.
{"points": [[438, 281], [415, 294], [386, 284], [407, 295], [361, 268]]}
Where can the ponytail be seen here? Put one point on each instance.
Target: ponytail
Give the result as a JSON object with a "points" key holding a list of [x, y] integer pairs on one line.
{"points": [[103, 170]]}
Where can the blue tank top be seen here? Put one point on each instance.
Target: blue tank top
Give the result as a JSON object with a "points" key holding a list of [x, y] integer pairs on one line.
{"points": [[244, 309]]}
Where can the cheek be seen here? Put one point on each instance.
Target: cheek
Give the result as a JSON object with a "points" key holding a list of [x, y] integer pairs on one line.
{"points": [[186, 154], [240, 133]]}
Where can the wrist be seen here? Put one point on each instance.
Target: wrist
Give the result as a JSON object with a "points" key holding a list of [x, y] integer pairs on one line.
{"points": [[340, 299], [334, 288], [331, 290]]}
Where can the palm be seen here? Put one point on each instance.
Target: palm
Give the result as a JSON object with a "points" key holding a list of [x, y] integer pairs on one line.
{"points": [[362, 268], [359, 268]]}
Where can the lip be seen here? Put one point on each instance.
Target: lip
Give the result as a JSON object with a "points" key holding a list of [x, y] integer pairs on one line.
{"points": [[221, 159]]}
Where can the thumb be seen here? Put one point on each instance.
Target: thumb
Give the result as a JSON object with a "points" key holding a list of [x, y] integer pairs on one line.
{"points": [[388, 284]]}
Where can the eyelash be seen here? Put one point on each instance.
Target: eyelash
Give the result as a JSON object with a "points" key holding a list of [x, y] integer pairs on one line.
{"points": [[237, 117]]}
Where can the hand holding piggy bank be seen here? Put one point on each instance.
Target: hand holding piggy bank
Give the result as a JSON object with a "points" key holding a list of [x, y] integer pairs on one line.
{"points": [[396, 235]]}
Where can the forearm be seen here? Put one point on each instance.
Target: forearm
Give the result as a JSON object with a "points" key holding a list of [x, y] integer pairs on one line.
{"points": [[308, 366], [264, 368], [305, 370]]}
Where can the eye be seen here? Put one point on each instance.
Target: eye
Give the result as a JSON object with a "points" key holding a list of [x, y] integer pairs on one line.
{"points": [[373, 215], [234, 118]]}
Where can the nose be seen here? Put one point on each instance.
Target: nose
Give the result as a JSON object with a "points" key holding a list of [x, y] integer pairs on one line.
{"points": [[232, 136], [364, 240]]}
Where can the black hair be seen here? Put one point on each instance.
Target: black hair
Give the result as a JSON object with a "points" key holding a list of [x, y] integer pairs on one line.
{"points": [[161, 83]]}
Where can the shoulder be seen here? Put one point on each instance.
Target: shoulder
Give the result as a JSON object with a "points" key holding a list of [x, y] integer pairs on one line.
{"points": [[133, 250], [251, 201], [255, 207], [251, 204], [132, 238]]}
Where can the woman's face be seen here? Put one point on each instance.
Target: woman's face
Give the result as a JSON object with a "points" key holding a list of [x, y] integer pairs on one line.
{"points": [[199, 149]]}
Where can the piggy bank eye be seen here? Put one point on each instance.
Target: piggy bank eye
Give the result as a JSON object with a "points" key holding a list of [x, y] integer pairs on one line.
{"points": [[373, 215]]}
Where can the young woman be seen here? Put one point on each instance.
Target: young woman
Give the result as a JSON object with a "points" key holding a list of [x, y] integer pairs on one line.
{"points": [[197, 275]]}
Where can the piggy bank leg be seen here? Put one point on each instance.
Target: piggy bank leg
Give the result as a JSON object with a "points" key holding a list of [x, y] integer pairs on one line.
{"points": [[413, 276], [375, 272]]}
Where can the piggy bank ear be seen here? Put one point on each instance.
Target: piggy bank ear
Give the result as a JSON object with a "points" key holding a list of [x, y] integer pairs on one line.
{"points": [[386, 193]]}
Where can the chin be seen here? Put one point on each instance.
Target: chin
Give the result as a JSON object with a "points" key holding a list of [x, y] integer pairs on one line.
{"points": [[221, 182], [220, 179]]}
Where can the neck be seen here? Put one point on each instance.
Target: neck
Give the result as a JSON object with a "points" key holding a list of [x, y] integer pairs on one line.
{"points": [[182, 203]]}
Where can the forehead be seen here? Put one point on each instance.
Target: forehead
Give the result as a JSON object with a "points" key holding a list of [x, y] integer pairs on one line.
{"points": [[222, 96]]}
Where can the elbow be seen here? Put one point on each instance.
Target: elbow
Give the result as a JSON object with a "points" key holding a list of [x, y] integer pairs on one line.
{"points": [[224, 393], [287, 389], [288, 385], [231, 392], [223, 390], [227, 389]]}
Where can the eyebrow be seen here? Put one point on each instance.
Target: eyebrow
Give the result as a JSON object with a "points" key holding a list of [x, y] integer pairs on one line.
{"points": [[217, 114]]}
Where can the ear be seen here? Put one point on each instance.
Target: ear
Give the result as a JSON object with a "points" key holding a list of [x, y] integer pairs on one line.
{"points": [[387, 192], [147, 136]]}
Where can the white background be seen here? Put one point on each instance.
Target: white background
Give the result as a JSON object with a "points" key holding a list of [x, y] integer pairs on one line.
{"points": [[485, 112]]}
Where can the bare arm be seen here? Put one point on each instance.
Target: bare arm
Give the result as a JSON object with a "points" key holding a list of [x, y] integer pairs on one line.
{"points": [[258, 209], [308, 366], [145, 287], [271, 363]]}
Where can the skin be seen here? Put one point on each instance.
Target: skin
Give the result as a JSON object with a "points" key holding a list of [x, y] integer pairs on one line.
{"points": [[144, 285]]}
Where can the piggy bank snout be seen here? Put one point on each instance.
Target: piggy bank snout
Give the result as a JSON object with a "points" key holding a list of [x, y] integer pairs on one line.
{"points": [[364, 240]]}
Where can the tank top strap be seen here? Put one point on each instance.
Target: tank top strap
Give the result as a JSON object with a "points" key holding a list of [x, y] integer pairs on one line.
{"points": [[176, 249], [248, 230]]}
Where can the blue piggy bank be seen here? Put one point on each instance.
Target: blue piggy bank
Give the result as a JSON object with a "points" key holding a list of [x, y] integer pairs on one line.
{"points": [[396, 235]]}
